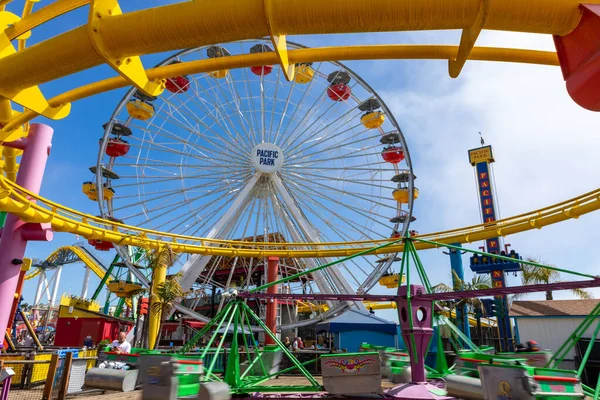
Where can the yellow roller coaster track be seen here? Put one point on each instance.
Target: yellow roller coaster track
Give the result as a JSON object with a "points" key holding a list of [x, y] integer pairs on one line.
{"points": [[114, 38], [96, 268], [118, 39], [15, 200]]}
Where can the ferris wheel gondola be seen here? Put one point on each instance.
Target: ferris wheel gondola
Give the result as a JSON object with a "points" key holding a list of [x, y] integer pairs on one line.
{"points": [[250, 156]]}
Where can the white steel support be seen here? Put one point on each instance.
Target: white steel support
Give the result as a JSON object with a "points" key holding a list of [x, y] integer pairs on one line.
{"points": [[56, 279], [86, 281], [196, 264], [333, 272], [42, 284]]}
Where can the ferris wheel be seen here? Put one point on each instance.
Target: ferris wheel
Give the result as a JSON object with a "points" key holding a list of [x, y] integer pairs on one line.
{"points": [[247, 155]]}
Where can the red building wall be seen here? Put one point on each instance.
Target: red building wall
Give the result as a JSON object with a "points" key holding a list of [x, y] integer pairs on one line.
{"points": [[72, 331]]}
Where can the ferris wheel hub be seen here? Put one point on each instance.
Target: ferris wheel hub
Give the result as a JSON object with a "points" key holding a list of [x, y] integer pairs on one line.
{"points": [[267, 158]]}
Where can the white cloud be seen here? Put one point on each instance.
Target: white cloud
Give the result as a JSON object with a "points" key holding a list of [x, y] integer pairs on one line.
{"points": [[545, 146]]}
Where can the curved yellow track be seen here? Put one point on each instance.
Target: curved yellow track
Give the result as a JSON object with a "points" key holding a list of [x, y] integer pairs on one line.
{"points": [[195, 23], [15, 200], [97, 269]]}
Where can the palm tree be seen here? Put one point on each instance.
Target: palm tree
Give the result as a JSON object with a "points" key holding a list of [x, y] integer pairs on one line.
{"points": [[167, 294], [478, 282], [534, 275]]}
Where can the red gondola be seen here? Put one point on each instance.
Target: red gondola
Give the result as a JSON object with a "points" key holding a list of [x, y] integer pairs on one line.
{"points": [[116, 147], [100, 245], [261, 69], [393, 154], [339, 92], [338, 89], [178, 84]]}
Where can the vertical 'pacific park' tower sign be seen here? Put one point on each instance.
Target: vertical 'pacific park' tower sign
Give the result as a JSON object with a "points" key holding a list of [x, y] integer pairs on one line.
{"points": [[481, 158]]}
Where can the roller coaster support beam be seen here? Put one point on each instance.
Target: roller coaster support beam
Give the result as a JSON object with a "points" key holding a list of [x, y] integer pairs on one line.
{"points": [[16, 233], [17, 299], [271, 322], [458, 276], [579, 56]]}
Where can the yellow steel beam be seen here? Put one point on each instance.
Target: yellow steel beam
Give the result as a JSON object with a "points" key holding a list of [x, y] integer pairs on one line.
{"points": [[297, 56], [18, 201], [196, 23], [43, 15], [467, 40]]}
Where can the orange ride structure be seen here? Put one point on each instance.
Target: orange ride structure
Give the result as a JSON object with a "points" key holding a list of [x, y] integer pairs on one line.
{"points": [[105, 38]]}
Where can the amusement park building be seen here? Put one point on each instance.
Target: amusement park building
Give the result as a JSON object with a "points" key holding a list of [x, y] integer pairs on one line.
{"points": [[551, 322], [354, 327]]}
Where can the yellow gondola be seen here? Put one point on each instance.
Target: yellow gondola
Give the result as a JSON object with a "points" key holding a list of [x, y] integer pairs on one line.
{"points": [[391, 281], [373, 119], [304, 73], [401, 195], [140, 109], [91, 191], [220, 74], [124, 288]]}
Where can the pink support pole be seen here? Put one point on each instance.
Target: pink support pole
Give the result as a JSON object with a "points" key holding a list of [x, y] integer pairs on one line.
{"points": [[16, 233], [271, 322]]}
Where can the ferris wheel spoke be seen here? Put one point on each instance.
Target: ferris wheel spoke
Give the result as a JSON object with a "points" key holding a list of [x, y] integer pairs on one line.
{"points": [[284, 112], [164, 194], [345, 157], [356, 167], [192, 269], [311, 136], [251, 131], [321, 141], [251, 111], [330, 109], [210, 161], [275, 102], [203, 168], [371, 199], [188, 113], [310, 87], [161, 179], [217, 111], [222, 121], [364, 182], [358, 137], [332, 273], [195, 131], [192, 146], [350, 223], [368, 214]]}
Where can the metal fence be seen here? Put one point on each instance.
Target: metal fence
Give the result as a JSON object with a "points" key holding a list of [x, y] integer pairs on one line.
{"points": [[46, 376]]}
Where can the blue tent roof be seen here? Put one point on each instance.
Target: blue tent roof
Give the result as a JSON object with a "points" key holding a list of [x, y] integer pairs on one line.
{"points": [[354, 320]]}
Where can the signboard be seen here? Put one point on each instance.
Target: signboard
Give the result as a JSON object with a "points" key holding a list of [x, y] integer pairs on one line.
{"points": [[481, 154], [486, 198]]}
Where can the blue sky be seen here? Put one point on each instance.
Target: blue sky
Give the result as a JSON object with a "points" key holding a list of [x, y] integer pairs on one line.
{"points": [[545, 145]]}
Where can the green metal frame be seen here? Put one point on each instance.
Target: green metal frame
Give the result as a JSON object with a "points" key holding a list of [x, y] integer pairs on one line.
{"points": [[238, 314]]}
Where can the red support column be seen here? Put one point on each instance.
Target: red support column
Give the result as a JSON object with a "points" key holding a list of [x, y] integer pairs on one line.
{"points": [[579, 56], [271, 322]]}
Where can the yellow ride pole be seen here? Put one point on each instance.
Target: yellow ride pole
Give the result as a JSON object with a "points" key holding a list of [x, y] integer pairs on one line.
{"points": [[162, 258], [159, 275]]}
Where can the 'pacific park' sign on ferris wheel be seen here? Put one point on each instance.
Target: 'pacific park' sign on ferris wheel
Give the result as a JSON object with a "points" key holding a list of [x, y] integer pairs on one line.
{"points": [[267, 158]]}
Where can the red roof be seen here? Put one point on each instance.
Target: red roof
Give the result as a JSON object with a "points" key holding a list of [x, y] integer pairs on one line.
{"points": [[552, 308], [195, 324]]}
